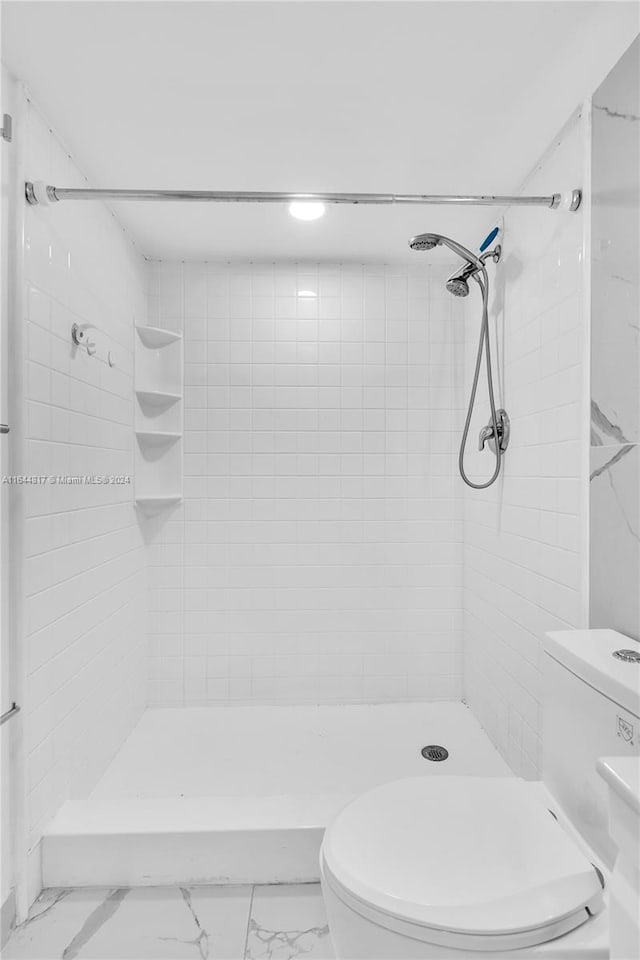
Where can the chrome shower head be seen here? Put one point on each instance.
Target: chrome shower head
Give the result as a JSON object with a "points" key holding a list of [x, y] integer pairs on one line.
{"points": [[458, 282], [458, 286], [425, 241]]}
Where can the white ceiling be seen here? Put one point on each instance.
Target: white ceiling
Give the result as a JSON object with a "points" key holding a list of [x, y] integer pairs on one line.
{"points": [[397, 97]]}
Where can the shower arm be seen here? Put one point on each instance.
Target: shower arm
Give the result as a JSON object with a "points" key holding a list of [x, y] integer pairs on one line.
{"points": [[37, 192]]}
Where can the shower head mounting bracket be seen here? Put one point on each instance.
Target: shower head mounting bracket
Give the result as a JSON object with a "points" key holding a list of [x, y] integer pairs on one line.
{"points": [[494, 254]]}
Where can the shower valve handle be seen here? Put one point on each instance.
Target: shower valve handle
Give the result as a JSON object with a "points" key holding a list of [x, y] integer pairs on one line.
{"points": [[504, 432], [485, 434]]}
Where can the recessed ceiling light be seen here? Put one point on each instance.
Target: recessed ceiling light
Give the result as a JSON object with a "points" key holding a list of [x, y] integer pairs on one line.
{"points": [[306, 210], [307, 293]]}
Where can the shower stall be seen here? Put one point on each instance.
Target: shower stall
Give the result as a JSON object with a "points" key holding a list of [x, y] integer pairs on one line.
{"points": [[304, 598]]}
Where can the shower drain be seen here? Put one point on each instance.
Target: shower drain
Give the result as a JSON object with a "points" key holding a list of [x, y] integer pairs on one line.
{"points": [[434, 752]]}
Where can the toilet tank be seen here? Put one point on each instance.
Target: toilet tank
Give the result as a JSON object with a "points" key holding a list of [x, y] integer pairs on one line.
{"points": [[591, 708]]}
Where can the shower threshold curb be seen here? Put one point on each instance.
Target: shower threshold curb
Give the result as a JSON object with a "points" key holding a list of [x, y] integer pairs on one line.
{"points": [[148, 842]]}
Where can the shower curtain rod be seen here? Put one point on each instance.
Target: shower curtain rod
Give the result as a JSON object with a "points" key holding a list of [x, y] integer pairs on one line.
{"points": [[42, 193]]}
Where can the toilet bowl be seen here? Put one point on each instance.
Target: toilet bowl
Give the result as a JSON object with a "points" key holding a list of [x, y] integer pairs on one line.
{"points": [[459, 867], [466, 867]]}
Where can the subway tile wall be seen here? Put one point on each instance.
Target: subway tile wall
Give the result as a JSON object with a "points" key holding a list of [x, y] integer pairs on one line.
{"points": [[525, 537], [85, 580], [318, 554]]}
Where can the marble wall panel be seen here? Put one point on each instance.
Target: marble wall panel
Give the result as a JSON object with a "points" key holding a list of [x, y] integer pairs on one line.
{"points": [[615, 349]]}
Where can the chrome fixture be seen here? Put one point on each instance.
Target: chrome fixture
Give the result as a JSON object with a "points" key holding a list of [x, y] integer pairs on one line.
{"points": [[78, 335], [4, 428], [434, 751], [504, 432], [629, 656], [6, 131], [38, 192], [11, 712], [457, 283], [497, 431]]}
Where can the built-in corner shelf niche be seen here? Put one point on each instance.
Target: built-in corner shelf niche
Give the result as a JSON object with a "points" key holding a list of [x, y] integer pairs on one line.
{"points": [[159, 418]]}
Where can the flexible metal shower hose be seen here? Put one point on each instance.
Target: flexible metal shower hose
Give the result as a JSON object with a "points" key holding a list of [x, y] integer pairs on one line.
{"points": [[483, 341]]}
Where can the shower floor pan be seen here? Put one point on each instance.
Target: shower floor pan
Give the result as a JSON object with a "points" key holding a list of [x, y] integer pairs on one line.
{"points": [[243, 794]]}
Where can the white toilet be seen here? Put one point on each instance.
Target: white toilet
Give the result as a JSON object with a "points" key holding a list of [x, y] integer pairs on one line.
{"points": [[438, 867]]}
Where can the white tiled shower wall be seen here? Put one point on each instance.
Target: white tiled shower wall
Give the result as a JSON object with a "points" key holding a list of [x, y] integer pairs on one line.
{"points": [[85, 583], [318, 552], [525, 537]]}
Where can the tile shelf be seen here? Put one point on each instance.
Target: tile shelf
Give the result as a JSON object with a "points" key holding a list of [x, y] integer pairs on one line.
{"points": [[157, 437], [155, 337], [158, 501], [158, 398], [159, 385]]}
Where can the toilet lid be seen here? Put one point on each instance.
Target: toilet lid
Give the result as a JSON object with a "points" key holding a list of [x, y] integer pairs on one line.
{"points": [[468, 855]]}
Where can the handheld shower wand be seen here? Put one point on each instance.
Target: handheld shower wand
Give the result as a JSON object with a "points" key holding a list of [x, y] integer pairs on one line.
{"points": [[497, 430]]}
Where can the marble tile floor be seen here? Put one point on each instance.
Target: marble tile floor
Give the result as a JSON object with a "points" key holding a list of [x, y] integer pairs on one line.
{"points": [[175, 923]]}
